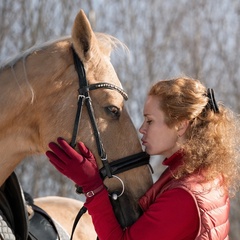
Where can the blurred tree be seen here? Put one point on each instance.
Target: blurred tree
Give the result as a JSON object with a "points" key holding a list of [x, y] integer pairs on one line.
{"points": [[166, 38]]}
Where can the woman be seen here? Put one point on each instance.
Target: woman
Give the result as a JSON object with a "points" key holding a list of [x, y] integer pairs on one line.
{"points": [[199, 140]]}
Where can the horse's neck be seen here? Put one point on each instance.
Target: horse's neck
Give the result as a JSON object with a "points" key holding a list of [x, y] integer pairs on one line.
{"points": [[16, 130], [24, 88]]}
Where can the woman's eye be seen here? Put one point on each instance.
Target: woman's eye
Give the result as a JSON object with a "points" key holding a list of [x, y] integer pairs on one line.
{"points": [[113, 111], [149, 121]]}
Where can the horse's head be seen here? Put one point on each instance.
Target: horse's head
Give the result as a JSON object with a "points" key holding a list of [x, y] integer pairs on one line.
{"points": [[118, 134], [44, 88]]}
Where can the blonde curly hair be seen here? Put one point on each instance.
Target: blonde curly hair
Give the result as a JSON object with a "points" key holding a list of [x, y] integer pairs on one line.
{"points": [[212, 138]]}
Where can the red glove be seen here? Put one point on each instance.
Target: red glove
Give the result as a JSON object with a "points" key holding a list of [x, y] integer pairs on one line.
{"points": [[80, 167]]}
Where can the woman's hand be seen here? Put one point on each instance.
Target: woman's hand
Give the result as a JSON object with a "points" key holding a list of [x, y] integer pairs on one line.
{"points": [[79, 167]]}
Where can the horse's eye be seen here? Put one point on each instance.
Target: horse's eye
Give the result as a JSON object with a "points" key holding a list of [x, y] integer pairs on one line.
{"points": [[113, 111]]}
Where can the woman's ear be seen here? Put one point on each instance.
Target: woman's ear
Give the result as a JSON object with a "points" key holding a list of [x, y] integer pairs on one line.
{"points": [[182, 127]]}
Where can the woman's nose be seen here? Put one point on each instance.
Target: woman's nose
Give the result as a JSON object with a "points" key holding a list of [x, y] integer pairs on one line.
{"points": [[141, 129]]}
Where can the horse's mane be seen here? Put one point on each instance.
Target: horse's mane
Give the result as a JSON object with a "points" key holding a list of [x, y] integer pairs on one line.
{"points": [[10, 62], [105, 41]]}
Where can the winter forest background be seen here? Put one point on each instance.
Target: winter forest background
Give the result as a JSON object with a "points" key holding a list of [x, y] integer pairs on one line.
{"points": [[197, 38]]}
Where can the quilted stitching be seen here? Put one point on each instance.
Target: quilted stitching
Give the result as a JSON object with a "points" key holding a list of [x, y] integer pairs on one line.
{"points": [[6, 232]]}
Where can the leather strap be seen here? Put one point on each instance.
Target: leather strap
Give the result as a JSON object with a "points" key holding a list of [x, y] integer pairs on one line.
{"points": [[95, 191], [79, 215], [127, 163]]}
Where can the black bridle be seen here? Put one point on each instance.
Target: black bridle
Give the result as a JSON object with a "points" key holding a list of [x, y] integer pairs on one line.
{"points": [[108, 169], [120, 165]]}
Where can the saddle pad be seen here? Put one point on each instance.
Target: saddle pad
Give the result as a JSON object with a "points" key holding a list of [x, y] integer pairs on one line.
{"points": [[13, 206]]}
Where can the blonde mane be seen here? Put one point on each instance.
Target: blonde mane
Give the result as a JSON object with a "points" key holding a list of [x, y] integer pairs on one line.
{"points": [[106, 42], [10, 62]]}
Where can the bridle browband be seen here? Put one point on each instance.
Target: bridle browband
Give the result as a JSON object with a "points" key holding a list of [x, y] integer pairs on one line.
{"points": [[118, 166]]}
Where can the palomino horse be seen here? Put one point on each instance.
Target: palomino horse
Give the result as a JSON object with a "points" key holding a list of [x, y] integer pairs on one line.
{"points": [[38, 99]]}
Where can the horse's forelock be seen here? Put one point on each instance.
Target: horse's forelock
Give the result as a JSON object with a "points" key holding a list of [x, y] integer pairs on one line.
{"points": [[108, 43]]}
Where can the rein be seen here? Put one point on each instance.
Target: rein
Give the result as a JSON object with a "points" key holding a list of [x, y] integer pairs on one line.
{"points": [[108, 169]]}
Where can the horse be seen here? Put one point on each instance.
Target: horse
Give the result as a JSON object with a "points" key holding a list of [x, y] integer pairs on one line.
{"points": [[60, 208], [39, 100]]}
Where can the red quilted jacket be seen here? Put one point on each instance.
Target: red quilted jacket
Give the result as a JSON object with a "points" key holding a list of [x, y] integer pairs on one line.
{"points": [[171, 212], [213, 207], [211, 199]]}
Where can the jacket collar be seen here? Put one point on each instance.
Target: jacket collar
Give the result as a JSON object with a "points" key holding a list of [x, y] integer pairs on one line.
{"points": [[173, 163]]}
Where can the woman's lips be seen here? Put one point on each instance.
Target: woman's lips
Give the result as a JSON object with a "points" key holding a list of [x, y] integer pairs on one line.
{"points": [[143, 142]]}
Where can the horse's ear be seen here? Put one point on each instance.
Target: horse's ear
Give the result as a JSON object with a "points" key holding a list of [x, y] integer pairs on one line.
{"points": [[83, 36]]}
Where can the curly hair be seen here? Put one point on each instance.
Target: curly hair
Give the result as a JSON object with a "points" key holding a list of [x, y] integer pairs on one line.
{"points": [[212, 138]]}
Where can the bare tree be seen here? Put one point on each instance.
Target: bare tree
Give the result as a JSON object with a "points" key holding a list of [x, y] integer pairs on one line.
{"points": [[166, 38]]}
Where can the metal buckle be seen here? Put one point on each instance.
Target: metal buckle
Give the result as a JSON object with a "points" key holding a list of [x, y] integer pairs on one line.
{"points": [[94, 192], [90, 194]]}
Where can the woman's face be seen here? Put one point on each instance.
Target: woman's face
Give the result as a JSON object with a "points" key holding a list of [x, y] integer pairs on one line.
{"points": [[157, 138]]}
